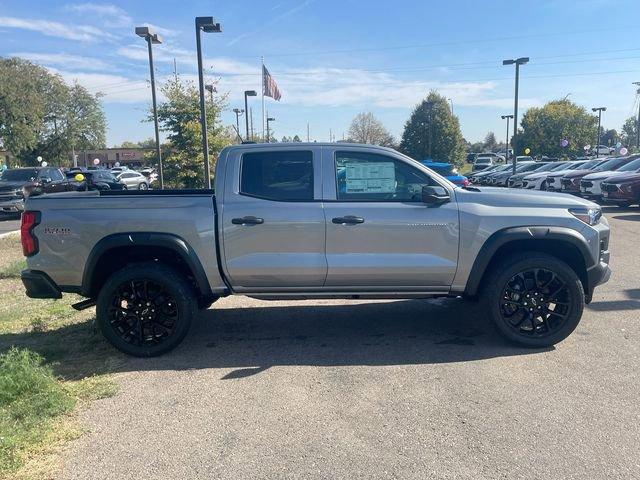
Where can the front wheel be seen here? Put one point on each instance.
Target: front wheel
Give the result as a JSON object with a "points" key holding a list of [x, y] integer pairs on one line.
{"points": [[145, 309], [534, 299]]}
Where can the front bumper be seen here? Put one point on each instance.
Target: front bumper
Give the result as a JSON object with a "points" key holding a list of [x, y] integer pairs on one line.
{"points": [[39, 285], [15, 205]]}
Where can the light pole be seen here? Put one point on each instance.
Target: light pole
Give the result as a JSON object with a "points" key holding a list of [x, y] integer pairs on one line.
{"points": [[269, 120], [248, 93], [211, 89], [208, 25], [153, 38], [238, 112], [599, 110], [638, 122], [506, 143], [517, 62]]}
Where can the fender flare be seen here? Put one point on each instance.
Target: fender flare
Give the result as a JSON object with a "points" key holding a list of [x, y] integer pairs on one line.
{"points": [[512, 234], [145, 239]]}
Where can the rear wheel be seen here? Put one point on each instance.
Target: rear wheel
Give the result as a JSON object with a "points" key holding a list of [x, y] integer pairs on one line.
{"points": [[143, 186], [145, 309], [534, 299]]}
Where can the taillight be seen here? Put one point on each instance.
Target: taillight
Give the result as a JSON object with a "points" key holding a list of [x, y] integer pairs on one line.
{"points": [[465, 182], [29, 241]]}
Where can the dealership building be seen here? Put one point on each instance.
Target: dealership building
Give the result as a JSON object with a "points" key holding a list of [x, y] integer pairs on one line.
{"points": [[130, 157]]}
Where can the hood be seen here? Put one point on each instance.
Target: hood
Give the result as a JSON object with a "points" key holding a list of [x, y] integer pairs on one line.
{"points": [[626, 177], [603, 175], [536, 176], [560, 173], [6, 186], [503, 197], [577, 173]]}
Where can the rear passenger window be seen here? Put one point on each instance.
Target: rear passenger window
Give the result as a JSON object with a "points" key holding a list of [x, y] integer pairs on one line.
{"points": [[285, 176]]}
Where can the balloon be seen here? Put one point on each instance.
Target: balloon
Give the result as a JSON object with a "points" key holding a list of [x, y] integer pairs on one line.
{"points": [[96, 161], [564, 142], [39, 159], [117, 164], [79, 177], [44, 164], [587, 147], [527, 151], [624, 151]]}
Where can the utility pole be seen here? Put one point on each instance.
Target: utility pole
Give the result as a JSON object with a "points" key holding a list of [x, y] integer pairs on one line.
{"points": [[251, 115], [599, 110], [638, 122], [269, 120], [517, 62], [506, 147]]}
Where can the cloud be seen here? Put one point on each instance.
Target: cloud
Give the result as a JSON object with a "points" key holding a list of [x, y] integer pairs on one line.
{"points": [[66, 60], [111, 15], [274, 20], [83, 33], [165, 32]]}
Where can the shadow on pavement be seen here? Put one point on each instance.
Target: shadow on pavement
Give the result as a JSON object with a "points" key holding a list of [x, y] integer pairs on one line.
{"points": [[633, 302], [252, 339], [627, 217]]}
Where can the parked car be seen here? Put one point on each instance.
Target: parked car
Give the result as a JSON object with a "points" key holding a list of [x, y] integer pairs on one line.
{"points": [[133, 180], [591, 185], [474, 175], [277, 229], [602, 150], [486, 160], [622, 190], [553, 179], [118, 170], [538, 180], [500, 179], [570, 183], [471, 157], [516, 181], [483, 177], [96, 180], [448, 171], [16, 183]]}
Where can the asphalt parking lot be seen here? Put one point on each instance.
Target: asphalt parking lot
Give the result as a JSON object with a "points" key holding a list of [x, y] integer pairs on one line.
{"points": [[384, 389], [9, 224]]}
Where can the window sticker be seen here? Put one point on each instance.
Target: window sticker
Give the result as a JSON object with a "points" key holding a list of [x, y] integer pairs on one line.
{"points": [[370, 177]]}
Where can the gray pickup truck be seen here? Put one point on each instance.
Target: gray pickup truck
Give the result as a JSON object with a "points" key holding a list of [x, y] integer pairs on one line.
{"points": [[300, 221]]}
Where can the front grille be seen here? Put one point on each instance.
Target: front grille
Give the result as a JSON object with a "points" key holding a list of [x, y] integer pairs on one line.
{"points": [[6, 198], [586, 183], [551, 180], [609, 187], [566, 182]]}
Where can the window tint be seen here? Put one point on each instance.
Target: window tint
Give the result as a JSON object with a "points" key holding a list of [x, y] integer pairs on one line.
{"points": [[378, 178], [281, 176], [56, 174]]}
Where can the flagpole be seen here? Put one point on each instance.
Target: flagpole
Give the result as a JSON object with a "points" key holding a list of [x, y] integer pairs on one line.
{"points": [[262, 74]]}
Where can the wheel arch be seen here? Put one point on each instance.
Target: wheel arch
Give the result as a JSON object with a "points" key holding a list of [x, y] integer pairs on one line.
{"points": [[561, 242], [115, 251]]}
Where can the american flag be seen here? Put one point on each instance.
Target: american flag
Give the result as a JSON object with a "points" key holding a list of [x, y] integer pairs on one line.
{"points": [[269, 85]]}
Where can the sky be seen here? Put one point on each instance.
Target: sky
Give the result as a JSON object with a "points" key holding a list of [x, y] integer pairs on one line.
{"points": [[334, 59]]}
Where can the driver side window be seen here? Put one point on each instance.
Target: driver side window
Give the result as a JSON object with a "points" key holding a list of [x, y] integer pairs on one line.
{"points": [[371, 177]]}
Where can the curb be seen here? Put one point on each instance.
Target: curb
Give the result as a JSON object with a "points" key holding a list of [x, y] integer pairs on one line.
{"points": [[8, 234]]}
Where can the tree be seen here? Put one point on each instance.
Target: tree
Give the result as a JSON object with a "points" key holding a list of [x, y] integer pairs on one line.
{"points": [[490, 143], [296, 138], [147, 143], [630, 132], [179, 116], [608, 137], [432, 128], [365, 128], [42, 116], [544, 129]]}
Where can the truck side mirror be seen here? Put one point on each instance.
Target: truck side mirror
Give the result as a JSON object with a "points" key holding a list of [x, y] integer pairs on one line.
{"points": [[434, 195]]}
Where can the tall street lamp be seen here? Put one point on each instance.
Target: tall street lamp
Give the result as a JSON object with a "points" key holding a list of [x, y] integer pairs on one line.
{"points": [[211, 89], [248, 93], [599, 110], [208, 25], [269, 120], [506, 143], [153, 38], [517, 62], [238, 112], [638, 123]]}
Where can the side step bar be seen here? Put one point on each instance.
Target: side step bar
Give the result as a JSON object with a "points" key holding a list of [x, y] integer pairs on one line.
{"points": [[84, 304]]}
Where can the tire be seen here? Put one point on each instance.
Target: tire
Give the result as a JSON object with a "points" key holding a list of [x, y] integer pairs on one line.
{"points": [[555, 320], [170, 312], [143, 186], [543, 186]]}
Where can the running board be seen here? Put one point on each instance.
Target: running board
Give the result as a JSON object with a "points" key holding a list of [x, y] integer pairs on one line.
{"points": [[84, 304]]}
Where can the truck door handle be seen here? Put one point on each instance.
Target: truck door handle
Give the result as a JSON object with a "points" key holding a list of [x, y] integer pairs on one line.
{"points": [[250, 220], [348, 220]]}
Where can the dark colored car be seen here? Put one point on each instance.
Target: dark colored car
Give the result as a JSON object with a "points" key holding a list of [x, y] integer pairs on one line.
{"points": [[95, 180], [15, 183], [570, 183], [622, 190]]}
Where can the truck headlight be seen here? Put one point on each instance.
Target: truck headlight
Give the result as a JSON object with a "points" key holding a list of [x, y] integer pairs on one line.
{"points": [[589, 215]]}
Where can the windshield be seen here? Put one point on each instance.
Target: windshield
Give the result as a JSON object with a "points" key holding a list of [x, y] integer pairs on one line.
{"points": [[591, 164], [548, 167], [19, 175], [611, 164], [559, 166], [528, 167], [631, 166]]}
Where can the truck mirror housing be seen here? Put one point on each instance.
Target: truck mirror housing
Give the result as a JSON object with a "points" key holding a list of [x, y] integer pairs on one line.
{"points": [[434, 195]]}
